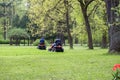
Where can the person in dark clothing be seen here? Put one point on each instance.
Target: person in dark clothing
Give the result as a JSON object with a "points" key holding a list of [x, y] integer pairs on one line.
{"points": [[56, 46], [41, 44], [58, 42], [42, 41]]}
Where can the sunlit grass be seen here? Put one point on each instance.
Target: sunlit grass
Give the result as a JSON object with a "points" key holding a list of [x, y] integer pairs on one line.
{"points": [[29, 63]]}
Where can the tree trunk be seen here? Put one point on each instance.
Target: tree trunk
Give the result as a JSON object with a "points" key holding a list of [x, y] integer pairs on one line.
{"points": [[76, 40], [104, 40], [114, 28], [70, 39], [11, 41], [87, 24], [5, 22], [28, 42], [24, 41], [16, 42]]}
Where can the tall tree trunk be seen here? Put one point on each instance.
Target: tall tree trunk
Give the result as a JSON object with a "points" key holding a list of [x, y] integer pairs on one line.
{"points": [[11, 41], [87, 24], [70, 39], [4, 22], [5, 34], [114, 29], [104, 40], [84, 5]]}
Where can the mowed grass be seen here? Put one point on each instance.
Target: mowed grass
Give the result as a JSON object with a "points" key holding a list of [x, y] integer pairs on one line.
{"points": [[29, 63]]}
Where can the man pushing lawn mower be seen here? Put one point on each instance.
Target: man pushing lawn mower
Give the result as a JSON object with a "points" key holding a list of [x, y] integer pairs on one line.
{"points": [[56, 46]]}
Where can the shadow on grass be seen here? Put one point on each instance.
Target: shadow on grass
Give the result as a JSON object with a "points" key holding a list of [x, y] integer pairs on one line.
{"points": [[109, 54]]}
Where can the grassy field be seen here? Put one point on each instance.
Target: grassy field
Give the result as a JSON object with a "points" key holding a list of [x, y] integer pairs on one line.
{"points": [[29, 63]]}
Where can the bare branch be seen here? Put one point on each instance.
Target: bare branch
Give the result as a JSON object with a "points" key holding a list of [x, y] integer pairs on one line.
{"points": [[88, 2], [51, 9], [54, 6], [43, 1], [60, 10], [81, 2], [47, 15]]}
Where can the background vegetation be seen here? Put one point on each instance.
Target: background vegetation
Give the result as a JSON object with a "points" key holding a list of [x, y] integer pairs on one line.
{"points": [[49, 19]]}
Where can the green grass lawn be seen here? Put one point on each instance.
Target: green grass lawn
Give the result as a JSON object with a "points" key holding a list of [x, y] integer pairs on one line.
{"points": [[29, 63]]}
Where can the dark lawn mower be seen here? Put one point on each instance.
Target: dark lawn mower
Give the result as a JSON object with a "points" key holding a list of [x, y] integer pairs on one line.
{"points": [[56, 46], [41, 46]]}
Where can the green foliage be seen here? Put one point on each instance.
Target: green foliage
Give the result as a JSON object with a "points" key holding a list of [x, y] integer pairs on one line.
{"points": [[36, 42], [117, 13], [98, 21], [17, 33], [96, 14], [116, 75], [11, 13], [23, 22], [48, 14], [44, 16], [8, 41], [4, 41], [20, 7], [20, 22], [16, 20], [1, 32]]}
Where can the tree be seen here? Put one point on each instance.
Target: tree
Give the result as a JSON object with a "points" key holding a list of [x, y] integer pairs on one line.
{"points": [[84, 5], [16, 21], [9, 10], [47, 13], [98, 25], [4, 6], [113, 19], [17, 34], [70, 39], [24, 21]]}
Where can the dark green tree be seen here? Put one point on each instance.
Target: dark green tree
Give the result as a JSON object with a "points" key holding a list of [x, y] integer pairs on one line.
{"points": [[24, 21], [17, 34], [16, 21]]}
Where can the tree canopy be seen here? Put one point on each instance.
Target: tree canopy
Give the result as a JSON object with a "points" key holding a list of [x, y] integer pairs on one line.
{"points": [[18, 33]]}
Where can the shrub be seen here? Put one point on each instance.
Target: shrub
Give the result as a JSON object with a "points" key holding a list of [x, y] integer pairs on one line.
{"points": [[18, 33], [7, 42], [4, 41], [22, 42], [36, 42]]}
